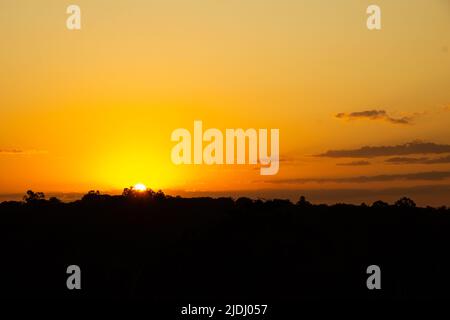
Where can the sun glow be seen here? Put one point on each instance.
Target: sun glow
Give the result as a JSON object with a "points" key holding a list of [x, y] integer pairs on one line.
{"points": [[140, 187]]}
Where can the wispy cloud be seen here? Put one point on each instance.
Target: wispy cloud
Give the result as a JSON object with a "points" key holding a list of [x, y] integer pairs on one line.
{"points": [[375, 115], [355, 163], [424, 176], [424, 160], [21, 152], [415, 147]]}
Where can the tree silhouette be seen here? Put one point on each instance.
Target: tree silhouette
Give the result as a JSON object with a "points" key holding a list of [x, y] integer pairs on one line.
{"points": [[91, 195], [405, 203], [132, 193], [54, 200], [33, 196], [380, 204], [303, 203], [159, 246]]}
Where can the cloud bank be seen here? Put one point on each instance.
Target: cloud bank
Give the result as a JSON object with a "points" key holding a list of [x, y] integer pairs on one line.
{"points": [[374, 115], [415, 147], [354, 163], [20, 152], [424, 176], [424, 160]]}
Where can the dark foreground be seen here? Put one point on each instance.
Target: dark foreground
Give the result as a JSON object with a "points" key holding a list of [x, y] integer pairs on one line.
{"points": [[149, 246]]}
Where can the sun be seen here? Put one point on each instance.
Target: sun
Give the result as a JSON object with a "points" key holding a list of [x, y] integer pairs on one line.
{"points": [[140, 187]]}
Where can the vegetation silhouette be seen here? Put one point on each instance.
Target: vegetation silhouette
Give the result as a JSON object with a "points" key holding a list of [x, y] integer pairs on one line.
{"points": [[145, 244]]}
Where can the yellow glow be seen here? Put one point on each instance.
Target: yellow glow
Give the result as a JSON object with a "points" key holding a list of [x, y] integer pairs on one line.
{"points": [[140, 187]]}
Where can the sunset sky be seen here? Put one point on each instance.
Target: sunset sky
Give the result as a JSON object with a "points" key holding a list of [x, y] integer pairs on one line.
{"points": [[95, 108]]}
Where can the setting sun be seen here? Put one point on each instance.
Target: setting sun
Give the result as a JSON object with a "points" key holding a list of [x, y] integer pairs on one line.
{"points": [[140, 187]]}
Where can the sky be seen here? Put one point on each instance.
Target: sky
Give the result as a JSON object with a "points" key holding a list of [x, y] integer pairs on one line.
{"points": [[362, 114]]}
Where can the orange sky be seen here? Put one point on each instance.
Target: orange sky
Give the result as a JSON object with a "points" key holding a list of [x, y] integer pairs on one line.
{"points": [[95, 108]]}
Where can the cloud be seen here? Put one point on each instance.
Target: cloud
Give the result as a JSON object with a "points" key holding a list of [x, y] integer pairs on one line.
{"points": [[355, 163], [374, 115], [11, 151], [426, 176], [424, 160], [20, 152], [415, 147]]}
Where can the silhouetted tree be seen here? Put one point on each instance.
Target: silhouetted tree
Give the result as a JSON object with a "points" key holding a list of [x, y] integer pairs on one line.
{"points": [[91, 195], [157, 246], [303, 203], [127, 191], [380, 204], [54, 200], [405, 203], [147, 194], [244, 203], [33, 196], [159, 195]]}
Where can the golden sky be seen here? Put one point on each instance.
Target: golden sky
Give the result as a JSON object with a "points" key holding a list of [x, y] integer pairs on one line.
{"points": [[95, 108]]}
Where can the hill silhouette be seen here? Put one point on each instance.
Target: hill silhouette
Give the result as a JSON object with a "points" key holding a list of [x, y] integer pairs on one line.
{"points": [[164, 248]]}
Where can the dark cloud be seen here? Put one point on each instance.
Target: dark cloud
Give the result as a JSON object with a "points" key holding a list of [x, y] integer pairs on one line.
{"points": [[374, 115], [424, 160], [355, 163], [428, 176], [20, 152], [415, 147], [288, 159], [11, 151]]}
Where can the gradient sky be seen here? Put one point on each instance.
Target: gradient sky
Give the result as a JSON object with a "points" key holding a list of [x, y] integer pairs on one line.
{"points": [[94, 109]]}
